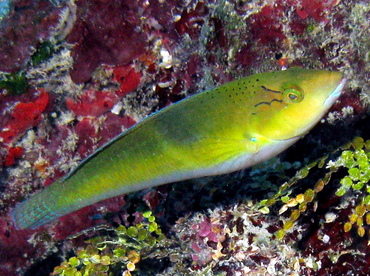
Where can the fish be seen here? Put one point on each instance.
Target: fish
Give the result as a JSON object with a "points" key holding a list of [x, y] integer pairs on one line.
{"points": [[218, 131]]}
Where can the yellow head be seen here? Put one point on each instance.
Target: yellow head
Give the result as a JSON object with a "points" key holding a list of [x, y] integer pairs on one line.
{"points": [[291, 102]]}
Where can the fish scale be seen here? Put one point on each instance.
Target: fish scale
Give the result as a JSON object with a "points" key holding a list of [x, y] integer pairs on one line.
{"points": [[230, 127]]}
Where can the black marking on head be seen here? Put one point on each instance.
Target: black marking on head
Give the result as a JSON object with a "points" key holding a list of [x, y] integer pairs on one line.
{"points": [[268, 103], [270, 90]]}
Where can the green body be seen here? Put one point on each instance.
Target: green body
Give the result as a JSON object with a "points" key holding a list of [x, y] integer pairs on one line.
{"points": [[221, 130]]}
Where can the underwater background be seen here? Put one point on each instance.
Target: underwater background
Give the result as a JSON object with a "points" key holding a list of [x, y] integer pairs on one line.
{"points": [[74, 74]]}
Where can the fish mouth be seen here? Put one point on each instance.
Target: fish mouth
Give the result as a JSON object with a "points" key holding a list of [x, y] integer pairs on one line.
{"points": [[334, 95]]}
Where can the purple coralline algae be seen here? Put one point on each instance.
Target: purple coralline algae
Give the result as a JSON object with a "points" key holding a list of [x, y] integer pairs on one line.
{"points": [[27, 24], [108, 64], [101, 32]]}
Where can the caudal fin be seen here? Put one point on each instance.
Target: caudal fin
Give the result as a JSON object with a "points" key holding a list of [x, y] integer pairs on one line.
{"points": [[34, 212]]}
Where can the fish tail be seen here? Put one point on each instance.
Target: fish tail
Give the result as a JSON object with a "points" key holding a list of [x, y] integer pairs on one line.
{"points": [[36, 211]]}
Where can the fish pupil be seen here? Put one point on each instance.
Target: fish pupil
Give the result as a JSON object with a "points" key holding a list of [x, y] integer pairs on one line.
{"points": [[292, 96]]}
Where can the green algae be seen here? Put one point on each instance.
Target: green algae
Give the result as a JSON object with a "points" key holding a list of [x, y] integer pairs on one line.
{"points": [[355, 160], [14, 83], [114, 249]]}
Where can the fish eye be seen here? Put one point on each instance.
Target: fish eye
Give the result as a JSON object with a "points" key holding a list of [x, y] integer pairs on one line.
{"points": [[293, 95]]}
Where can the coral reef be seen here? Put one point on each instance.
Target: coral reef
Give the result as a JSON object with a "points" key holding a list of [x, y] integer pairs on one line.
{"points": [[36, 21], [74, 74]]}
